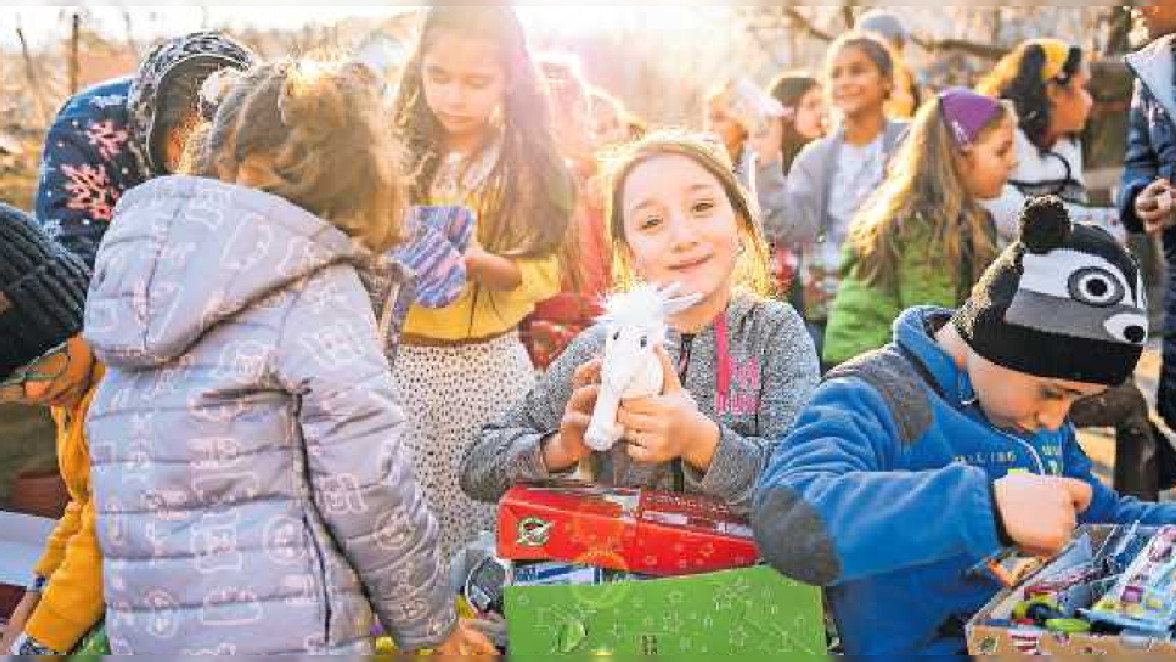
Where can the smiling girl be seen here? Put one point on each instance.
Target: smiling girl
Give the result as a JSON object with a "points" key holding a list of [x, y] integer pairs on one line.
{"points": [[737, 365], [860, 78]]}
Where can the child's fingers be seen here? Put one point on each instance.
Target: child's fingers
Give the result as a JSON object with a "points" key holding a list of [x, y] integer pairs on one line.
{"points": [[575, 419], [631, 420], [583, 399], [587, 373], [1080, 493]]}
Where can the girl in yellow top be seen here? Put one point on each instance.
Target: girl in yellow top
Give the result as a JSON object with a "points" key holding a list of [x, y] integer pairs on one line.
{"points": [[43, 362], [475, 122]]}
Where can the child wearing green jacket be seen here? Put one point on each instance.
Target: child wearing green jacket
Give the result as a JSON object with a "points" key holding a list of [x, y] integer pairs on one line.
{"points": [[923, 238]]}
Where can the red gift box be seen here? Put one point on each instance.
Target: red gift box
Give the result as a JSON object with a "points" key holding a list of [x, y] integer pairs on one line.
{"points": [[643, 531]]}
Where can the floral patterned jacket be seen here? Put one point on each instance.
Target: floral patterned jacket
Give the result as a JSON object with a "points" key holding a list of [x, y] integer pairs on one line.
{"points": [[86, 166]]}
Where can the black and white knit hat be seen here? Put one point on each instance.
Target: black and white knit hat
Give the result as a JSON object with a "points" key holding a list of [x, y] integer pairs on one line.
{"points": [[1065, 301], [42, 291]]}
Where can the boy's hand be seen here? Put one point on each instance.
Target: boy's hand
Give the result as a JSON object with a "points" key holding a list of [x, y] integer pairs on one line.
{"points": [[466, 640], [1040, 512], [1154, 205]]}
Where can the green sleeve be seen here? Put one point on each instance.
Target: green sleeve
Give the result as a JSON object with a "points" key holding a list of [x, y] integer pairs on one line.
{"points": [[862, 313]]}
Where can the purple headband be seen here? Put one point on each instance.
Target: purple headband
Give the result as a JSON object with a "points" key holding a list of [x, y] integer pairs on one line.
{"points": [[966, 113]]}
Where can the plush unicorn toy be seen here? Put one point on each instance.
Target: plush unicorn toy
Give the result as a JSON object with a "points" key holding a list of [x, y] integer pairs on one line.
{"points": [[636, 323]]}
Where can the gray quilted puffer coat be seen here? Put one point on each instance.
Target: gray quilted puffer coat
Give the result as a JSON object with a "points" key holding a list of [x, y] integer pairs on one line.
{"points": [[252, 491]]}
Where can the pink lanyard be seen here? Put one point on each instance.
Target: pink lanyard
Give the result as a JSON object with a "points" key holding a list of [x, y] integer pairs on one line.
{"points": [[722, 367]]}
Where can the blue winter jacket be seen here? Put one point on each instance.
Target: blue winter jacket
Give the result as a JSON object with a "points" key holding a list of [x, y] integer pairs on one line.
{"points": [[883, 493], [1151, 154]]}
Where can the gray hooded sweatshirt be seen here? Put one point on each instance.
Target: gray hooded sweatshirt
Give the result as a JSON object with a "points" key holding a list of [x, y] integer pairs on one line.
{"points": [[251, 488], [773, 372]]}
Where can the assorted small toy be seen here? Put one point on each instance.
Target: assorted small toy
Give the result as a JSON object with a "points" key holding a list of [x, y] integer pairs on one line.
{"points": [[1127, 586], [1142, 599]]}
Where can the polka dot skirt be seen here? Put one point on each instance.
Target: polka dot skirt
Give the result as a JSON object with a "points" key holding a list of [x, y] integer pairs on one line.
{"points": [[448, 394]]}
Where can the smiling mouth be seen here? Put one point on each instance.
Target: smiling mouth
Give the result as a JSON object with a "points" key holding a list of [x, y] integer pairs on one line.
{"points": [[693, 264]]}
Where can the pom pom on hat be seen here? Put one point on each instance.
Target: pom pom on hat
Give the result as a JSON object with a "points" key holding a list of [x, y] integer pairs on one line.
{"points": [[1045, 224]]}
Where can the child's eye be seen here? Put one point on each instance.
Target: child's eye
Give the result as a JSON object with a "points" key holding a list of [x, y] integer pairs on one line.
{"points": [[649, 222], [438, 77], [478, 82], [703, 207]]}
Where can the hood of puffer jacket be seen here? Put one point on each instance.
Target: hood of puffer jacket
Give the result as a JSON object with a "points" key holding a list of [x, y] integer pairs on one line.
{"points": [[199, 55], [1153, 65], [184, 254]]}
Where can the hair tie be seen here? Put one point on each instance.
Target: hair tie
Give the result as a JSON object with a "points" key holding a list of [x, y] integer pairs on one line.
{"points": [[214, 89]]}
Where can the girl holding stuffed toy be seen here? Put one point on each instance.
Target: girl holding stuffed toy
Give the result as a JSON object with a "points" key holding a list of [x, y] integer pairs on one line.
{"points": [[736, 365], [475, 121]]}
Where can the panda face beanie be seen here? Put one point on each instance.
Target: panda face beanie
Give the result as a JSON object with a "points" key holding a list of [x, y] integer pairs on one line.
{"points": [[1065, 301], [42, 291]]}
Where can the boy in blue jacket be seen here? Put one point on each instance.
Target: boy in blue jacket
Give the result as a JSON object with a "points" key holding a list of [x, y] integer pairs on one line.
{"points": [[913, 464]]}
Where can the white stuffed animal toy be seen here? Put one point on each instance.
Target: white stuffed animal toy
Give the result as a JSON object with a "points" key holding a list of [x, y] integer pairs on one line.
{"points": [[636, 322]]}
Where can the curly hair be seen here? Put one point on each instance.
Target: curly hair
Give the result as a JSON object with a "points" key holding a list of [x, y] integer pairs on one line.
{"points": [[315, 133]]}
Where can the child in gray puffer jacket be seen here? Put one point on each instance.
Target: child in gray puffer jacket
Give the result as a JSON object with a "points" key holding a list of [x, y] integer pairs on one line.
{"points": [[252, 491]]}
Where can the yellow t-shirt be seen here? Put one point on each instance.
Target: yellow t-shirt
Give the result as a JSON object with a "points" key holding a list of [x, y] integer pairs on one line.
{"points": [[479, 312]]}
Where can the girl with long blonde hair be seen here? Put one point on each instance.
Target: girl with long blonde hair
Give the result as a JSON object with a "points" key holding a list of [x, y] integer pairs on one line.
{"points": [[923, 238]]}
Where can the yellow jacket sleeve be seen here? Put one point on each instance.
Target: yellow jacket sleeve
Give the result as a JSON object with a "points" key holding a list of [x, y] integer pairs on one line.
{"points": [[72, 602], [54, 552]]}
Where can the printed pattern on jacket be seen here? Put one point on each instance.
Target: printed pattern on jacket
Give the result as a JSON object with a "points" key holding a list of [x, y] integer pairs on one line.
{"points": [[253, 493]]}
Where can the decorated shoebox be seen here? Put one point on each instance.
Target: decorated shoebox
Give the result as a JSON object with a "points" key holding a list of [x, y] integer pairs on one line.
{"points": [[1109, 593], [22, 540], [642, 531], [754, 613]]}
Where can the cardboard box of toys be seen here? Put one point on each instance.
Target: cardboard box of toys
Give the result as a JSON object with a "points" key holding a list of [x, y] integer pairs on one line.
{"points": [[643, 531], [1111, 592]]}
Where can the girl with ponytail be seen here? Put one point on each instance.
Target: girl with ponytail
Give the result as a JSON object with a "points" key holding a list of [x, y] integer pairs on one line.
{"points": [[1045, 80]]}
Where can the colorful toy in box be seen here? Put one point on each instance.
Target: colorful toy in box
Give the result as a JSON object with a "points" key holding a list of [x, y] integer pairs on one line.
{"points": [[642, 531], [1143, 597]]}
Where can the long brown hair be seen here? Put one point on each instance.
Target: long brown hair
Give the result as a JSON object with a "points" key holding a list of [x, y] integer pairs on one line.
{"points": [[925, 185], [526, 202], [790, 89], [751, 271], [312, 131]]}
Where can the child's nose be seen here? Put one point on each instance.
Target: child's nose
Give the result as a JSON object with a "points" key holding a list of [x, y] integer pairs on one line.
{"points": [[1053, 415]]}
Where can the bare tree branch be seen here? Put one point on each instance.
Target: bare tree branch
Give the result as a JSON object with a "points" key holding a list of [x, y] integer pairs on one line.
{"points": [[985, 51], [799, 20]]}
